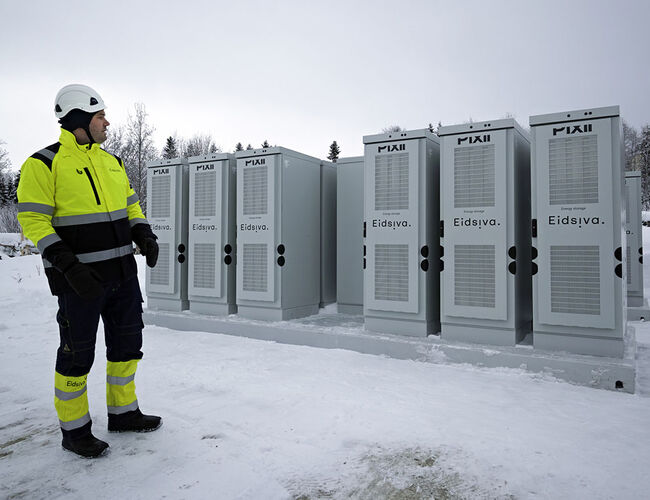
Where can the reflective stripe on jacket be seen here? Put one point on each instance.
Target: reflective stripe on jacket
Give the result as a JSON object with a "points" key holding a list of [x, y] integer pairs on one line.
{"points": [[79, 194]]}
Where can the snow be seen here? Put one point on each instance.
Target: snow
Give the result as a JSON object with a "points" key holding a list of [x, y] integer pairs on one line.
{"points": [[248, 419]]}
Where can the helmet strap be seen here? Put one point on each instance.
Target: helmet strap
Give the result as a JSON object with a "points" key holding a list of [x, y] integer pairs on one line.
{"points": [[91, 139]]}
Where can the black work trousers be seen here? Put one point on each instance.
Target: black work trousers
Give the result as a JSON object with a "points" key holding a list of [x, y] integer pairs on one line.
{"points": [[120, 308]]}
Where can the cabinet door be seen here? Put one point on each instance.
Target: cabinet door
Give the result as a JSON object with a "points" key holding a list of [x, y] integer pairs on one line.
{"points": [[573, 191], [207, 222], [162, 186], [391, 179], [474, 200], [256, 220]]}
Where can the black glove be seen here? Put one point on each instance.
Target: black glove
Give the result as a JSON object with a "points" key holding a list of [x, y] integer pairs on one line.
{"points": [[149, 248], [85, 281]]}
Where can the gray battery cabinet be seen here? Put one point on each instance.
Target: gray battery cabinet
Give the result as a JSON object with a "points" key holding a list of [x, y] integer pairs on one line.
{"points": [[579, 289], [349, 236], [278, 234], [486, 282], [401, 226], [212, 233], [167, 213], [634, 238]]}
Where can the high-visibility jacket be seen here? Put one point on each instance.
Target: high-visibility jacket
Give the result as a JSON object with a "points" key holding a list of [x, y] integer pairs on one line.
{"points": [[78, 197]]}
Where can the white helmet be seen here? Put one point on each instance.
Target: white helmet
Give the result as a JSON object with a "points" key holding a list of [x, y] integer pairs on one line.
{"points": [[77, 96]]}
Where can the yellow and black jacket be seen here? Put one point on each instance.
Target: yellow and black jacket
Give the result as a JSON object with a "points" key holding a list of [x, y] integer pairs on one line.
{"points": [[76, 204]]}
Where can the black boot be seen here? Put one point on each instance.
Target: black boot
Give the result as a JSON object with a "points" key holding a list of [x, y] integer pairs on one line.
{"points": [[87, 446], [133, 421]]}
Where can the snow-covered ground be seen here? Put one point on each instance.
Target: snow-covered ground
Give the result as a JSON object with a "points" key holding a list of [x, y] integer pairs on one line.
{"points": [[259, 420]]}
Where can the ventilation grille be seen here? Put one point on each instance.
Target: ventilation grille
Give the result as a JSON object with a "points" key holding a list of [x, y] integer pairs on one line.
{"points": [[392, 182], [204, 265], [474, 176], [391, 272], [255, 190], [161, 197], [573, 170], [575, 279], [160, 273], [474, 275], [205, 196], [255, 267], [629, 265]]}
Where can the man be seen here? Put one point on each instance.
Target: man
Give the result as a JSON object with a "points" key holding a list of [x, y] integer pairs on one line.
{"points": [[76, 204]]}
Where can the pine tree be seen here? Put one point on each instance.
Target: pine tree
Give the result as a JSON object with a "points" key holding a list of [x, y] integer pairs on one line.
{"points": [[265, 144], [249, 147], [170, 150], [334, 152], [239, 147], [3, 186]]}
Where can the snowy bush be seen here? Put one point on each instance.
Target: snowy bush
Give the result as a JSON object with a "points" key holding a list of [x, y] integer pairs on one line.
{"points": [[12, 245], [9, 219]]}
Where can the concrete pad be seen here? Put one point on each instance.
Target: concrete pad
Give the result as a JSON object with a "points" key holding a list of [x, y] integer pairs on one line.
{"points": [[342, 331]]}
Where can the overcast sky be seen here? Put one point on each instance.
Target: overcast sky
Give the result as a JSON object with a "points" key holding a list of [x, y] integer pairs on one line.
{"points": [[301, 74]]}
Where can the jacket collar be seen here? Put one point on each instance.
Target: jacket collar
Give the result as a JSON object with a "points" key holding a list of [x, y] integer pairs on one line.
{"points": [[68, 140]]}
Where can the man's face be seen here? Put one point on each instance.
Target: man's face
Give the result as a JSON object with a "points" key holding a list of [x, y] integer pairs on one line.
{"points": [[98, 126]]}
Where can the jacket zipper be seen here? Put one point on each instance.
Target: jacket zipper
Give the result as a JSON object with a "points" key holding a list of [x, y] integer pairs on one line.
{"points": [[92, 183]]}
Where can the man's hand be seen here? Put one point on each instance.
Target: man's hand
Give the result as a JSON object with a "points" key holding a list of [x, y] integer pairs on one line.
{"points": [[85, 281], [149, 248]]}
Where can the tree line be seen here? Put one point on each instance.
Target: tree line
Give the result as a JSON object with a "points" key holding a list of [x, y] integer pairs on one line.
{"points": [[133, 144]]}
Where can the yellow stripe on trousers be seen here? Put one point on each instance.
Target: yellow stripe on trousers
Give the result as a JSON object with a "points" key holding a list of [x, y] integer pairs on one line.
{"points": [[120, 386], [71, 401]]}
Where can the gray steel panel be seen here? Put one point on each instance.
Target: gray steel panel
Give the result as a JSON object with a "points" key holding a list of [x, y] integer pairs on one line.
{"points": [[400, 136], [300, 233], [481, 127], [328, 235], [210, 157], [166, 162], [349, 159], [349, 228], [247, 153], [274, 150], [634, 237], [575, 115]]}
